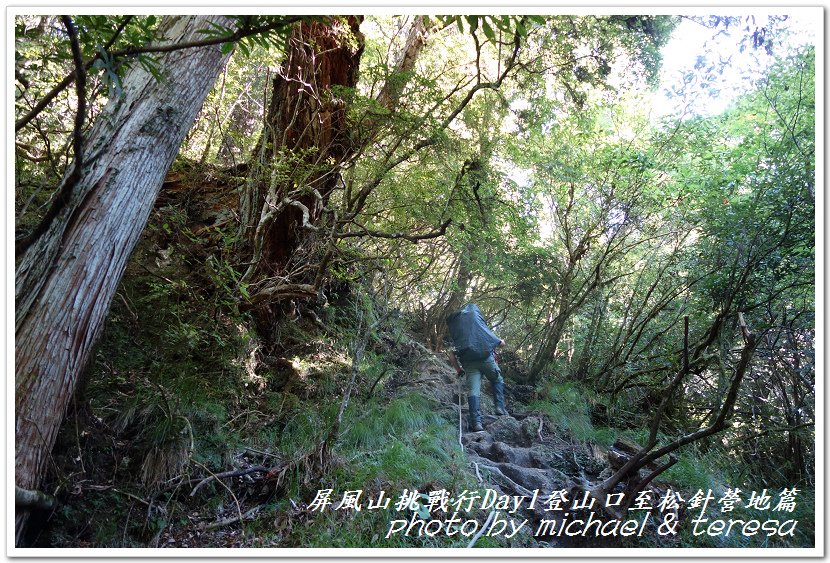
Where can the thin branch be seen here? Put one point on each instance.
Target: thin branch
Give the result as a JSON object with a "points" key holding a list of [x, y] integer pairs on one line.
{"points": [[233, 519], [516, 486], [234, 473], [236, 500], [360, 198], [411, 238], [306, 213], [357, 357], [377, 380], [237, 35], [65, 193], [63, 84]]}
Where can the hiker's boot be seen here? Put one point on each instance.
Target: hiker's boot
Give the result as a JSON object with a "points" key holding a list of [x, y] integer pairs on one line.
{"points": [[474, 403], [498, 398]]}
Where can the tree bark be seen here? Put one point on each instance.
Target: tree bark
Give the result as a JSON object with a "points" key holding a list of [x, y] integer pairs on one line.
{"points": [[66, 279], [297, 160], [392, 89]]}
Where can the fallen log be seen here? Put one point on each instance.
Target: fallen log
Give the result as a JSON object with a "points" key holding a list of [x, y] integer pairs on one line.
{"points": [[622, 451], [24, 498]]}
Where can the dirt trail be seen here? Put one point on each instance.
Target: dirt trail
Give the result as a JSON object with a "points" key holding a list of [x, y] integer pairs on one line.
{"points": [[516, 454]]}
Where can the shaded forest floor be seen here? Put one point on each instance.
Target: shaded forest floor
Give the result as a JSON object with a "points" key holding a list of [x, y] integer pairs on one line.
{"points": [[131, 477], [138, 453]]}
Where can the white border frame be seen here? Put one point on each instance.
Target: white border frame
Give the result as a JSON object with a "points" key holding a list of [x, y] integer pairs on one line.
{"points": [[367, 7]]}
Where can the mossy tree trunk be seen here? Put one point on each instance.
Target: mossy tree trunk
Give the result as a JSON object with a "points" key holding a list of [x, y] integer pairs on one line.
{"points": [[67, 278]]}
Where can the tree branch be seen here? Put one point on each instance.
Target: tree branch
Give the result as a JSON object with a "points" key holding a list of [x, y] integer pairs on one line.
{"points": [[63, 84], [237, 35], [643, 457], [366, 189], [33, 499], [65, 193], [364, 232], [234, 473], [232, 520]]}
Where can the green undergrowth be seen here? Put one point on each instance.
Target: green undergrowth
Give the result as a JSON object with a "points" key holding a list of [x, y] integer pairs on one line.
{"points": [[181, 388], [569, 405], [384, 449], [701, 466]]}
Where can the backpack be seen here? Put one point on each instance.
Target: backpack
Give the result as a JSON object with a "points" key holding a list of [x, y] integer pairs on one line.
{"points": [[472, 337]]}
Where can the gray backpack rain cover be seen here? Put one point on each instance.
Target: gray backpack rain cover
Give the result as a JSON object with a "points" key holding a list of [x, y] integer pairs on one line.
{"points": [[472, 337]]}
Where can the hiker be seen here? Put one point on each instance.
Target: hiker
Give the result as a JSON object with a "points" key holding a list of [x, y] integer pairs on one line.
{"points": [[474, 344]]}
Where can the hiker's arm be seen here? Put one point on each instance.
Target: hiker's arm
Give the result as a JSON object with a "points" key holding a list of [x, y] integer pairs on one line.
{"points": [[454, 362]]}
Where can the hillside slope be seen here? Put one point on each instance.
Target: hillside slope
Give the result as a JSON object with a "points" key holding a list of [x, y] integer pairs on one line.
{"points": [[193, 431]]}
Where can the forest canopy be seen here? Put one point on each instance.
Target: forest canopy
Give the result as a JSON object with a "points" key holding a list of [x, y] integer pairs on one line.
{"points": [[206, 206]]}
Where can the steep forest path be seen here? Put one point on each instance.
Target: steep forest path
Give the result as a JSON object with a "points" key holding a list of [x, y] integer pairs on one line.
{"points": [[516, 454], [525, 454]]}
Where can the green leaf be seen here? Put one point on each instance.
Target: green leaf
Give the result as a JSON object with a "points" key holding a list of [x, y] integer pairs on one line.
{"points": [[227, 47], [488, 31]]}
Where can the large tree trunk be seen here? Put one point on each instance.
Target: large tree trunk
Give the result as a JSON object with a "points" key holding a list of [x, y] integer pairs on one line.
{"points": [[66, 280], [297, 161]]}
